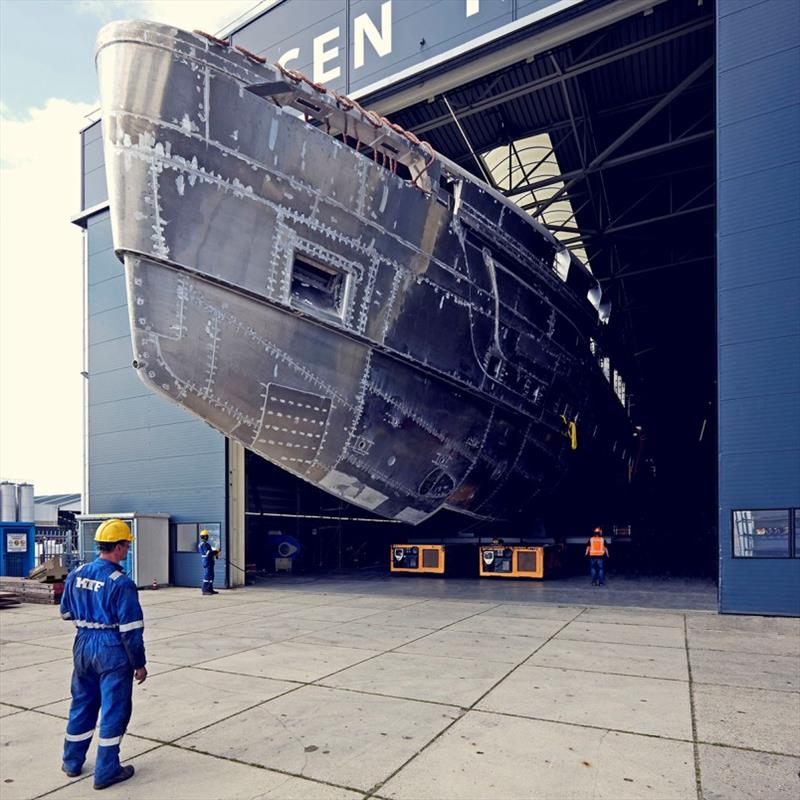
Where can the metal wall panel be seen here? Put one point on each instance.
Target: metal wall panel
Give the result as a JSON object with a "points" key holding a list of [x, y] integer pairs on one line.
{"points": [[758, 124], [105, 265], [753, 479], [745, 35], [741, 311], [135, 412], [420, 30], [111, 385], [777, 199], [760, 142], [108, 355], [751, 89], [754, 576], [107, 294], [143, 453], [750, 260], [105, 325], [762, 423], [93, 177]]}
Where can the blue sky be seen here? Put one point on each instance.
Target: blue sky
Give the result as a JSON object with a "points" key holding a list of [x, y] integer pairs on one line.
{"points": [[47, 46], [47, 88], [46, 50]]}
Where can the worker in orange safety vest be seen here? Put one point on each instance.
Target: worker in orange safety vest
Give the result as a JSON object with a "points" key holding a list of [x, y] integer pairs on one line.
{"points": [[597, 551]]}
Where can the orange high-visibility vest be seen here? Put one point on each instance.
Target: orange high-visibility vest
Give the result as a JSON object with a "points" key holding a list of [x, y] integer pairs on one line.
{"points": [[597, 546]]}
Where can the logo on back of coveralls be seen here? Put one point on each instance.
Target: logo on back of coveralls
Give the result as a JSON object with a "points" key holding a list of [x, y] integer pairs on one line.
{"points": [[88, 583]]}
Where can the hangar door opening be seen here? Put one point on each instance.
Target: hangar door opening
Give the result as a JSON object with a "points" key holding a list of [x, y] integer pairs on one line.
{"points": [[606, 138]]}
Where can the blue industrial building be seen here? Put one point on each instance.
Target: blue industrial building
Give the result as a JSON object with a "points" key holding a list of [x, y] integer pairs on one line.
{"points": [[660, 139]]}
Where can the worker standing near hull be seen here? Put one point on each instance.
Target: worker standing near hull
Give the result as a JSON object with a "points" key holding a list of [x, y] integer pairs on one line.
{"points": [[108, 654], [597, 551], [209, 556]]}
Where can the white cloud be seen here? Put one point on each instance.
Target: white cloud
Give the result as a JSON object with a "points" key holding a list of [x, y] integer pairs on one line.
{"points": [[41, 297], [207, 15], [41, 263]]}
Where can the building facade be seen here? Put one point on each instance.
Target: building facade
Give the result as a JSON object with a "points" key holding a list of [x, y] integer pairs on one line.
{"points": [[411, 58]]}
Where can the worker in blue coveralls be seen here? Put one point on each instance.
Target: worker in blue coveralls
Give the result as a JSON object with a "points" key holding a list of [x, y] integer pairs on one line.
{"points": [[108, 654], [209, 556]]}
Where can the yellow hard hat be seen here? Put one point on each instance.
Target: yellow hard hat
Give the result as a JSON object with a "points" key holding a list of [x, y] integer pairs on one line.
{"points": [[113, 530], [203, 534]]}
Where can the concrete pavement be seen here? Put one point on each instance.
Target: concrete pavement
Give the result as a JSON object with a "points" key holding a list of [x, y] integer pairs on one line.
{"points": [[407, 688]]}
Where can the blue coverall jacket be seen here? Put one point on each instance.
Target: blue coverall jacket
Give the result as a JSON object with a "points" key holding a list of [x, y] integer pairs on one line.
{"points": [[208, 555], [103, 603]]}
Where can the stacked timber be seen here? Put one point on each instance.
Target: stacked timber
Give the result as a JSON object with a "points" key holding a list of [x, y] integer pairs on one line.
{"points": [[51, 571], [8, 599], [30, 591]]}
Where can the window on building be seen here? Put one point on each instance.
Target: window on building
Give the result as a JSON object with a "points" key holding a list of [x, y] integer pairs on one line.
{"points": [[762, 533], [214, 533], [186, 540]]}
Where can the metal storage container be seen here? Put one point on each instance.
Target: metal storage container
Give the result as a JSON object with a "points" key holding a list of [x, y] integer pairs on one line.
{"points": [[25, 509], [8, 502], [148, 557]]}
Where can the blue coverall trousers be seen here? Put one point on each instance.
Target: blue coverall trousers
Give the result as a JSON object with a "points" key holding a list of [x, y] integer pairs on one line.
{"points": [[596, 566], [208, 576], [102, 681]]}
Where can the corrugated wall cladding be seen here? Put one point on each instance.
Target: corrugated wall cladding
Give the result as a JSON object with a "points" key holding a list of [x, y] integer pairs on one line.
{"points": [[758, 288], [143, 453]]}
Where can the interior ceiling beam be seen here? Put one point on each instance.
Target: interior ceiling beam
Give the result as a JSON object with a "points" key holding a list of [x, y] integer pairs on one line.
{"points": [[661, 218], [621, 276], [486, 174], [616, 162], [640, 123], [570, 72]]}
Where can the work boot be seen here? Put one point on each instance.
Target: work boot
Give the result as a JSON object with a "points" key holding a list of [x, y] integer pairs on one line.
{"points": [[68, 772], [123, 775]]}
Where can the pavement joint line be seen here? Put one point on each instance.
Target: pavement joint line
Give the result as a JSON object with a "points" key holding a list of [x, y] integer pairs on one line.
{"points": [[391, 696], [745, 686], [745, 652], [630, 644], [38, 663], [260, 766], [603, 672], [373, 791], [695, 747], [585, 725]]}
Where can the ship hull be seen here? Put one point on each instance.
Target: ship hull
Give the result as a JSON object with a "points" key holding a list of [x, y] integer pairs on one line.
{"points": [[404, 350]]}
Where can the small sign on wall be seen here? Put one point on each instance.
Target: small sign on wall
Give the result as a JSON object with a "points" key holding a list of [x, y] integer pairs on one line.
{"points": [[16, 542]]}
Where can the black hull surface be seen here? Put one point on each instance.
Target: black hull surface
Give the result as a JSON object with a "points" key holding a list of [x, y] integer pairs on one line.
{"points": [[355, 310]]}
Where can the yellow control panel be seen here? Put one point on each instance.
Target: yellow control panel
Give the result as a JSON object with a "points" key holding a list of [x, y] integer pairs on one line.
{"points": [[417, 558], [508, 561]]}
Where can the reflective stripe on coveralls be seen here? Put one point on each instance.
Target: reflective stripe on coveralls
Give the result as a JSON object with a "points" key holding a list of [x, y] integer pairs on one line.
{"points": [[208, 554], [109, 645]]}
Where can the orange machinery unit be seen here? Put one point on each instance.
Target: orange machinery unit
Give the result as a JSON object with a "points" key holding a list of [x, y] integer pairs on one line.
{"points": [[509, 561], [417, 558]]}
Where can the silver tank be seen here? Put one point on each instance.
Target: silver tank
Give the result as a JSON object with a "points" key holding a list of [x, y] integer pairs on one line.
{"points": [[8, 502], [25, 505]]}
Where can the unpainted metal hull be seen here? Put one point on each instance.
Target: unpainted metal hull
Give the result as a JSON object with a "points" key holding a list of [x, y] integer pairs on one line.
{"points": [[441, 378]]}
